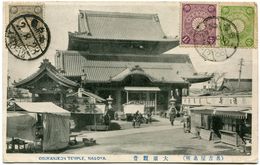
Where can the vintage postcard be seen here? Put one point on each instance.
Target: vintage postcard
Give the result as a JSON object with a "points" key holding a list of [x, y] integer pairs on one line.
{"points": [[138, 82]]}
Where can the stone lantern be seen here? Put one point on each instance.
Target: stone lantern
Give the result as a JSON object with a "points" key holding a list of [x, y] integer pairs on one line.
{"points": [[172, 100], [109, 101]]}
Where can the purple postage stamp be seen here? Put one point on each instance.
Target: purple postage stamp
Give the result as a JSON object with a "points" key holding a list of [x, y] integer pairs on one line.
{"points": [[193, 16]]}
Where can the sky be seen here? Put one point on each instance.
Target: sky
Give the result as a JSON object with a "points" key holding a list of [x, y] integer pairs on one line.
{"points": [[62, 18]]}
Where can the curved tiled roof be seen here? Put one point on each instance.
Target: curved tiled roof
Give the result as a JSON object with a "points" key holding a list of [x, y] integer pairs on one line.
{"points": [[51, 71], [117, 32], [107, 68], [119, 26]]}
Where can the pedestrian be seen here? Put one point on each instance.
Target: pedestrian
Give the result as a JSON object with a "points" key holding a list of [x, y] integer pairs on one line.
{"points": [[186, 122], [172, 115], [107, 118], [136, 114], [136, 118], [149, 118]]}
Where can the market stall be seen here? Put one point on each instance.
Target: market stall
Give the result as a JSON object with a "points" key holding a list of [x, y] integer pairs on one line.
{"points": [[42, 124], [229, 124]]}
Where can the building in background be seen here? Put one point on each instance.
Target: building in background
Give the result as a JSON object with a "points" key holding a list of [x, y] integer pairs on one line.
{"points": [[117, 54]]}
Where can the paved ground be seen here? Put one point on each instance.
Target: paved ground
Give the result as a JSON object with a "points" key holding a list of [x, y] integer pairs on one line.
{"points": [[160, 139]]}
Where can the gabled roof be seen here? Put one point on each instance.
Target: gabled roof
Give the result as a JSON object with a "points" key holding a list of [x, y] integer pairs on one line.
{"points": [[46, 68], [115, 32], [119, 26], [102, 71], [167, 68]]}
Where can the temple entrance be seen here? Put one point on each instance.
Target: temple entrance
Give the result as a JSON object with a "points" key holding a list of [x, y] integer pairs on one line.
{"points": [[143, 95]]}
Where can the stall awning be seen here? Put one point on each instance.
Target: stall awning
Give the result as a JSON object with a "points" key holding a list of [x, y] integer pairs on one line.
{"points": [[203, 110], [42, 107], [236, 112], [148, 89]]}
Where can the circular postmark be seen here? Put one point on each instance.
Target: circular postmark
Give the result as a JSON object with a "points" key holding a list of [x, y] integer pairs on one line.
{"points": [[27, 37], [220, 47]]}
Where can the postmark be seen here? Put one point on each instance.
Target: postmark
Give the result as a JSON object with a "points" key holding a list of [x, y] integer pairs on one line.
{"points": [[27, 37], [227, 36], [244, 19], [192, 16]]}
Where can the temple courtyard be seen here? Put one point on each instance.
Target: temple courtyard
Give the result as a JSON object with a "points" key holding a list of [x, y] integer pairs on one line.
{"points": [[158, 138]]}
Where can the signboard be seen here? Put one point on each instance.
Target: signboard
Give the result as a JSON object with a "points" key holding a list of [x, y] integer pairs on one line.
{"points": [[218, 100]]}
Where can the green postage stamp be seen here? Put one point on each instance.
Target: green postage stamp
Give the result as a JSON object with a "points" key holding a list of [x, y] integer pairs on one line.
{"points": [[243, 17]]}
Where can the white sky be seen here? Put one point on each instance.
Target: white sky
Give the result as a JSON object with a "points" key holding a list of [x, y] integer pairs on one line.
{"points": [[63, 17]]}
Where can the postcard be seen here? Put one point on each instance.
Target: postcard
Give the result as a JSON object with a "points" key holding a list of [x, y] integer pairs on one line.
{"points": [[130, 82]]}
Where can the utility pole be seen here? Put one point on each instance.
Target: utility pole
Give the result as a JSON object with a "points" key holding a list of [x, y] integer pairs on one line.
{"points": [[240, 71]]}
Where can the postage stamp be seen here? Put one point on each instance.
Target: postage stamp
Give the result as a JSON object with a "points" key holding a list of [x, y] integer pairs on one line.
{"points": [[244, 19], [129, 82], [21, 9], [192, 22]]}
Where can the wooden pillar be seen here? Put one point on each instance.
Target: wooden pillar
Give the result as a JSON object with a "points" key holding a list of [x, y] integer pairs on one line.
{"points": [[155, 103], [126, 96], [169, 97], [147, 101], [118, 100], [188, 89], [180, 94], [61, 99]]}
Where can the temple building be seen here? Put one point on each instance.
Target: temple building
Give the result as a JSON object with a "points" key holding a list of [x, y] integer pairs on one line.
{"points": [[117, 54]]}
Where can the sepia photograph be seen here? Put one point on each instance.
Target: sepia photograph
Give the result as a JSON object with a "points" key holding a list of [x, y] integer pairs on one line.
{"points": [[157, 82]]}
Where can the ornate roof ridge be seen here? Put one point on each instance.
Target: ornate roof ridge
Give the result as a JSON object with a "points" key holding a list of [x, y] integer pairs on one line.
{"points": [[68, 53], [120, 14]]}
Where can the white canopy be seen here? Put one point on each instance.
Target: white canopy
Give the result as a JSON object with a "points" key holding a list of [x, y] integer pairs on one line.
{"points": [[42, 107], [153, 89], [133, 108]]}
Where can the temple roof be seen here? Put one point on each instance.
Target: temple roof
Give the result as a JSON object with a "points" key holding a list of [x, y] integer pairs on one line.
{"points": [[102, 71], [198, 78], [120, 26], [109, 31], [166, 68], [46, 68]]}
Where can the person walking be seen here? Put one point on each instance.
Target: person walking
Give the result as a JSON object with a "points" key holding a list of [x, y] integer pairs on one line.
{"points": [[172, 115], [149, 118], [137, 119], [172, 110], [186, 122]]}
